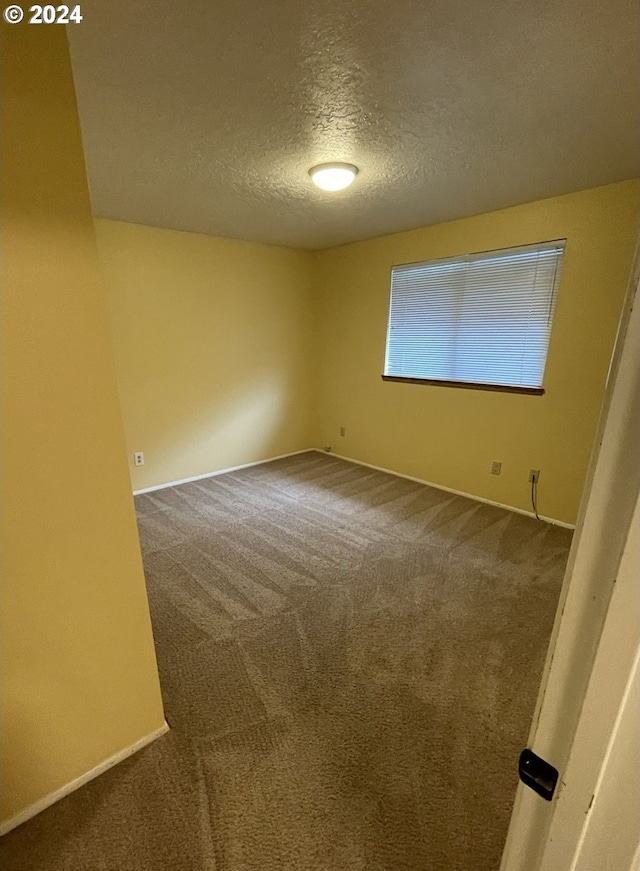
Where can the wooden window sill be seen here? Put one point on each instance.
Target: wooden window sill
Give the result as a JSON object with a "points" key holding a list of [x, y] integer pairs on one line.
{"points": [[468, 385]]}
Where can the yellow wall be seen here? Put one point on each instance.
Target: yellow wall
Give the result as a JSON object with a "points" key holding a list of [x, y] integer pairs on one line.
{"points": [[79, 673], [450, 436], [229, 352], [212, 346]]}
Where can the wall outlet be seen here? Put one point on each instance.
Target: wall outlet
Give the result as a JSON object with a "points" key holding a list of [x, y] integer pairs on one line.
{"points": [[343, 431], [534, 476], [138, 458], [496, 467]]}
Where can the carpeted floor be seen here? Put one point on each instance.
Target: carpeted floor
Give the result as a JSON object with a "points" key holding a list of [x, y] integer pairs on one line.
{"points": [[349, 664]]}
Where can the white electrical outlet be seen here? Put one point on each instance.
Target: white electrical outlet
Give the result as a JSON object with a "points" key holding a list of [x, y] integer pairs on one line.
{"points": [[138, 458], [496, 467], [534, 476], [343, 431]]}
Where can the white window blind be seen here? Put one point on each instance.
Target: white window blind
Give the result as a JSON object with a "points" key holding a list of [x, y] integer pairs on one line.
{"points": [[480, 319]]}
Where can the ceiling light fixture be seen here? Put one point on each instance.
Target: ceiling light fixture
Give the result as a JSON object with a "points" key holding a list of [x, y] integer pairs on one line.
{"points": [[333, 176]]}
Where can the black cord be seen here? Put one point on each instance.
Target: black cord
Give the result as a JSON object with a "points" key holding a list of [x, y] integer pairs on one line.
{"points": [[534, 483]]}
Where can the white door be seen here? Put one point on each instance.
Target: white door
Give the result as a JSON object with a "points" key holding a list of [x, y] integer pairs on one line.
{"points": [[596, 820], [585, 706]]}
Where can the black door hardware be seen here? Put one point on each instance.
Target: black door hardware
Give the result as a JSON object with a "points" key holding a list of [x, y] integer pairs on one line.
{"points": [[537, 774]]}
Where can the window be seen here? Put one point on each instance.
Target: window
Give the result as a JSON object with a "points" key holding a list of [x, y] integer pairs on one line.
{"points": [[481, 320]]}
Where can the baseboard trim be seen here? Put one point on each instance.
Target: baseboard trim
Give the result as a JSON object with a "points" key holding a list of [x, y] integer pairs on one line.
{"points": [[551, 520], [43, 803], [219, 472]]}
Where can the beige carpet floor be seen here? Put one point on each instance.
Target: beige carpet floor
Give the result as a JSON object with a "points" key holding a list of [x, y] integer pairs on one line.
{"points": [[349, 664]]}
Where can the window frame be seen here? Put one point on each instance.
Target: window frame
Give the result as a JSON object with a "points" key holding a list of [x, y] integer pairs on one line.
{"points": [[470, 385]]}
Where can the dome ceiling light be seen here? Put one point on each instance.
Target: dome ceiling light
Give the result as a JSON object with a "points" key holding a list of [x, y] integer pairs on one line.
{"points": [[333, 176]]}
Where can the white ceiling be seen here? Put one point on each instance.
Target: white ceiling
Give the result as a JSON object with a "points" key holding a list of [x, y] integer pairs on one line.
{"points": [[206, 115]]}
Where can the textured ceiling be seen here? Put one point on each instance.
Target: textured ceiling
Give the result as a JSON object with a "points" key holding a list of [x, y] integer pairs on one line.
{"points": [[207, 115]]}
